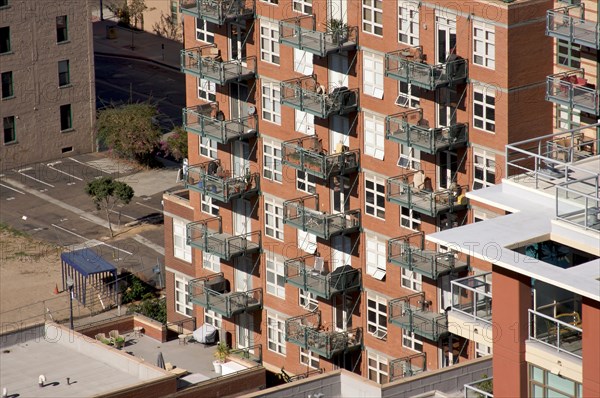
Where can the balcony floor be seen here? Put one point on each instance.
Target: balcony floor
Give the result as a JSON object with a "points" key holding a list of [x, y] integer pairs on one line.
{"points": [[586, 37], [580, 100], [219, 305]]}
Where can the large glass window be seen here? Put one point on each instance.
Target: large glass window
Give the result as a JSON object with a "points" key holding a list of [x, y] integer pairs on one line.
{"points": [[181, 249], [372, 16], [543, 384], [182, 302], [276, 333], [377, 315], [269, 42], [484, 45], [484, 109]]}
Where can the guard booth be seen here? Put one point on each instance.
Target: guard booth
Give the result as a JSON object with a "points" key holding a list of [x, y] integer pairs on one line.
{"points": [[88, 270]]}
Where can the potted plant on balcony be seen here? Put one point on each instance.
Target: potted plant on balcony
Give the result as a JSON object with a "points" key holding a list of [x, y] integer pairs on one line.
{"points": [[339, 30], [221, 355], [119, 342]]}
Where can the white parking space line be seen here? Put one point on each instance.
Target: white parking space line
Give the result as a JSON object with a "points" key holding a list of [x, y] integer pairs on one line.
{"points": [[150, 207], [88, 165], [50, 166], [33, 178], [12, 189], [86, 239]]}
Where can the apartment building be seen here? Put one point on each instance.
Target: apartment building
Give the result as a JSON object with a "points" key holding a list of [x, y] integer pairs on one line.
{"points": [[327, 139], [48, 101]]}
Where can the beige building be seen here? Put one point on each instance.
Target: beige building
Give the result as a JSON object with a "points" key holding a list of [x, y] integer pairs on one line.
{"points": [[47, 99]]}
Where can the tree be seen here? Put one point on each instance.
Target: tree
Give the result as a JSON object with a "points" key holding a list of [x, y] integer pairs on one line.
{"points": [[106, 193], [176, 144], [126, 10], [167, 27], [130, 130]]}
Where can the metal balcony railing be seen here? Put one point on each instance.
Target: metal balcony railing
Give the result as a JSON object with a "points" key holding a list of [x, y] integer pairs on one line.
{"points": [[408, 65], [409, 128], [309, 273], [211, 180], [203, 62], [227, 304], [301, 33], [572, 90], [480, 389], [207, 121], [307, 332], [472, 296], [306, 154], [302, 213], [569, 23], [563, 332], [408, 366], [578, 202], [208, 236], [413, 191], [413, 314], [252, 353], [306, 95], [219, 11]]}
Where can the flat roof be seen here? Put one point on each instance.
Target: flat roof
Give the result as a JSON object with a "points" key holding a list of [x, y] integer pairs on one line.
{"points": [[87, 262], [533, 219]]}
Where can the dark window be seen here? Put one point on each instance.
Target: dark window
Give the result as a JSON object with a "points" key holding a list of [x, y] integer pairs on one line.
{"points": [[10, 133], [7, 85], [67, 149], [3, 3], [62, 33], [5, 39], [63, 73], [66, 119]]}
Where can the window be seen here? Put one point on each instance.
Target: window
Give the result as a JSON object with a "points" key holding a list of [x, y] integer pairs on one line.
{"points": [[378, 368], [182, 300], [303, 62], [410, 219], [212, 318], [270, 1], [174, 8], [207, 205], [64, 78], [410, 158], [484, 169], [567, 118], [373, 74], [204, 31], [305, 182], [66, 118], [372, 16], [211, 262], [207, 90], [484, 109], [62, 33], [304, 122], [5, 40], [307, 241], [411, 341], [275, 277], [309, 359], [303, 6], [409, 96], [374, 127], [271, 107], [375, 197], [568, 54], [269, 42], [543, 383], [377, 315], [484, 45], [272, 161], [10, 132], [307, 300], [408, 23], [276, 333], [411, 280], [181, 249], [375, 257], [208, 147], [7, 85], [482, 350], [274, 219], [3, 3]]}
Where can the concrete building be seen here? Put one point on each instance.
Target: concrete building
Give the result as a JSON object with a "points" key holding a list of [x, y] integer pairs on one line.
{"points": [[327, 139], [48, 102]]}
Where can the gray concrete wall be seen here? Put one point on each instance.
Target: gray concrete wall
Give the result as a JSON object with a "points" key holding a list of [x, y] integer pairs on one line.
{"points": [[328, 384], [355, 386]]}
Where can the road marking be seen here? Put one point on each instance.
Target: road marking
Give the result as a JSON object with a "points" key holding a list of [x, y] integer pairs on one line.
{"points": [[124, 215], [49, 165], [89, 165], [86, 239], [12, 189], [33, 178], [150, 207]]}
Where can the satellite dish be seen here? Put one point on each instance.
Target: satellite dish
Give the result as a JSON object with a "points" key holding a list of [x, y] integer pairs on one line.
{"points": [[251, 110]]}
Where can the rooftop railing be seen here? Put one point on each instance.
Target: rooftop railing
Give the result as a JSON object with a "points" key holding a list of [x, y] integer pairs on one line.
{"points": [[572, 90], [413, 314], [472, 296], [569, 23], [207, 121], [480, 389], [206, 63], [301, 33], [207, 235], [219, 11]]}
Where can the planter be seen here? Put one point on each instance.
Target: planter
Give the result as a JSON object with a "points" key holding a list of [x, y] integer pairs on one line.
{"points": [[217, 364]]}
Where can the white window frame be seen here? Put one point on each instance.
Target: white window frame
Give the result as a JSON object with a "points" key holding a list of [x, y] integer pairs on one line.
{"points": [[212, 318], [409, 96], [181, 249], [271, 102], [485, 161], [411, 341], [306, 182], [410, 219], [269, 42], [484, 45], [207, 90], [307, 241], [275, 276], [374, 209], [374, 128], [184, 307], [410, 158], [274, 218], [207, 31], [207, 205], [207, 148], [308, 358], [375, 256], [411, 280], [408, 23], [481, 121], [303, 6], [303, 62], [369, 17], [272, 167], [376, 328], [307, 300], [380, 368], [276, 334], [211, 262], [304, 122], [273, 2], [373, 74], [482, 350]]}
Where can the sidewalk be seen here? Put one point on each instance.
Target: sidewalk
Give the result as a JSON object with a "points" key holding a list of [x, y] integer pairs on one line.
{"points": [[146, 45]]}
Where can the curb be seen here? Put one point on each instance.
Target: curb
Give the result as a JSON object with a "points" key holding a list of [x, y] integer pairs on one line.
{"points": [[138, 58]]}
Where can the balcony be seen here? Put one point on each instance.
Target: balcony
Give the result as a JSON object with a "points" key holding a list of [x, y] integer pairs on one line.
{"points": [[308, 273], [307, 332], [219, 11], [568, 23], [480, 389], [209, 122], [227, 304], [572, 90], [208, 236], [472, 297], [409, 252], [562, 332], [306, 154], [407, 366], [302, 213], [210, 179], [414, 191], [206, 63], [408, 65], [409, 128], [306, 95], [413, 314], [301, 33]]}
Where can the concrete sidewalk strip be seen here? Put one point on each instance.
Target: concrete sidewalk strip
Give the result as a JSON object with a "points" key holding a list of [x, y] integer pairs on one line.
{"points": [[146, 242]]}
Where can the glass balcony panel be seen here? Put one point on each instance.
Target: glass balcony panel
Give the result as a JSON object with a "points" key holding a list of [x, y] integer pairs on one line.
{"points": [[472, 296], [407, 366], [307, 95], [218, 11], [569, 23], [562, 332], [301, 33], [572, 89], [480, 389], [208, 122]]}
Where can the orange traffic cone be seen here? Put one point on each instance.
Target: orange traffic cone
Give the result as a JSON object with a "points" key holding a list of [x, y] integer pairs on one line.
{"points": [[56, 289]]}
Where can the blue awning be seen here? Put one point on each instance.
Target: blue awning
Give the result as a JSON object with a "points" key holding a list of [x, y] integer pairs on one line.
{"points": [[87, 262]]}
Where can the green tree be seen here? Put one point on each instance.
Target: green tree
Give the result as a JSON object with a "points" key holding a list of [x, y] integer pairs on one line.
{"points": [[151, 307], [106, 193], [130, 130], [176, 144]]}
